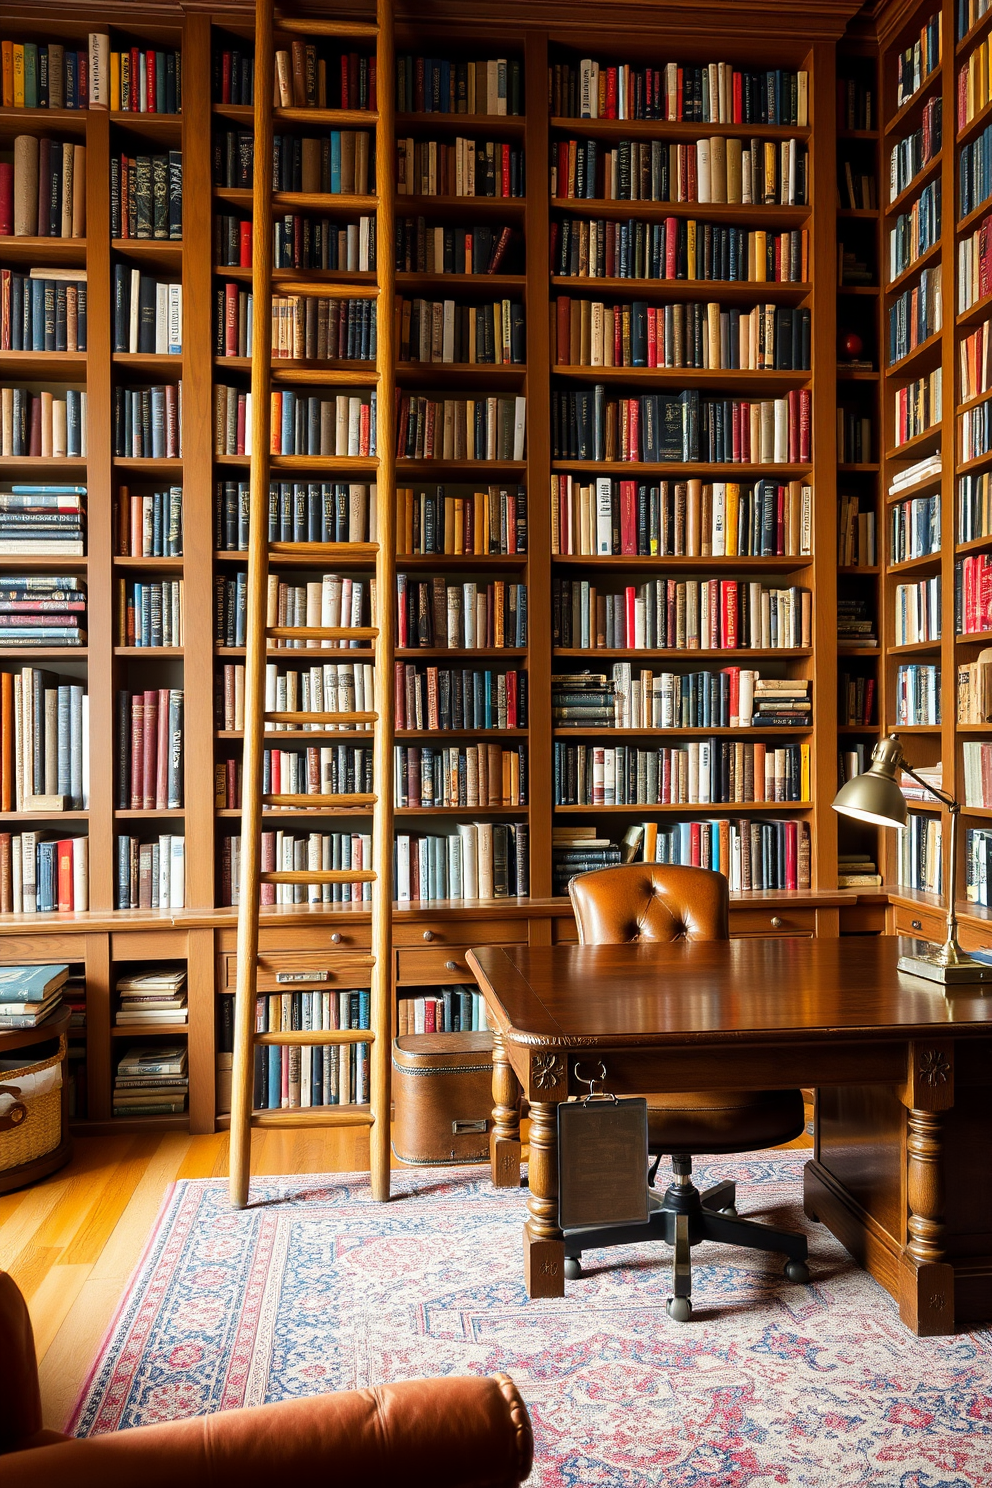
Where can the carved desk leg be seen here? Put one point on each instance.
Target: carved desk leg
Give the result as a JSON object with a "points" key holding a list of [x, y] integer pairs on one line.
{"points": [[544, 1246], [926, 1280], [504, 1140]]}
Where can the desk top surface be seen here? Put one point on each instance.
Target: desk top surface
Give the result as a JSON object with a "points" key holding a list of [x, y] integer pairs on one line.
{"points": [[744, 990]]}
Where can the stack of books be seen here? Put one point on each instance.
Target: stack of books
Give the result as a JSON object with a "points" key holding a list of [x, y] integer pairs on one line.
{"points": [[74, 996], [151, 998], [582, 700], [857, 871], [578, 850], [151, 1080], [42, 519], [855, 624], [932, 774], [42, 609], [781, 700], [28, 994]]}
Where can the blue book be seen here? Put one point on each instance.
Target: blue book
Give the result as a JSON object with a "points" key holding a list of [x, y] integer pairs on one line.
{"points": [[25, 490], [37, 321], [30, 983], [335, 162]]}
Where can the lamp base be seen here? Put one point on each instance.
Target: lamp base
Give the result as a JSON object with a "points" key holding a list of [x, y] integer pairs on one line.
{"points": [[930, 966]]}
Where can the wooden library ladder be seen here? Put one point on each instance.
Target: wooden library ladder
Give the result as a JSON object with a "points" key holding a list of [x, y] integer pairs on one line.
{"points": [[259, 636]]}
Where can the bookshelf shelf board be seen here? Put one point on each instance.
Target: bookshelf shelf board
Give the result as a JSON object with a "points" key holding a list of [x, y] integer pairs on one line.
{"points": [[899, 119], [916, 804], [965, 467], [704, 731], [162, 129], [734, 380], [115, 1126], [909, 565], [148, 361], [973, 728], [979, 310], [409, 653], [41, 467], [333, 464], [858, 467], [928, 350], [678, 469], [918, 443], [320, 374], [444, 374], [967, 224], [41, 563], [149, 811], [425, 736], [858, 570], [276, 812], [974, 125], [23, 120], [637, 807], [488, 470], [857, 134], [843, 649], [857, 728], [730, 291], [913, 728], [460, 208], [142, 1030], [286, 276], [165, 565], [895, 285], [777, 563], [856, 374], [982, 811], [408, 812], [856, 214], [44, 365], [630, 653], [289, 653], [654, 128], [737, 213], [499, 127], [974, 638], [911, 648], [16, 816], [409, 279], [234, 462], [36, 251], [898, 203], [43, 653], [975, 545], [975, 402], [971, 36], [162, 254], [859, 289], [304, 560], [342, 735], [150, 467], [453, 561], [152, 652]]}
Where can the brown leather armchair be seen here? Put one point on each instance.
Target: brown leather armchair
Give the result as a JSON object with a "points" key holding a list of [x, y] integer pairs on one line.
{"points": [[662, 902], [438, 1433]]}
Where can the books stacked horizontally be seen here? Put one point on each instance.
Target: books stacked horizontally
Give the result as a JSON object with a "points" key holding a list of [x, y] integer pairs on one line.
{"points": [[41, 609], [855, 623], [28, 994], [933, 776], [43, 519], [582, 700], [152, 997], [857, 871], [781, 701], [74, 996], [926, 469], [578, 850], [152, 1080]]}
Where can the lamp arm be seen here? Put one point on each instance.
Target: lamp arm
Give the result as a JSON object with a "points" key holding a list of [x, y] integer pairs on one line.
{"points": [[951, 952], [948, 800]]}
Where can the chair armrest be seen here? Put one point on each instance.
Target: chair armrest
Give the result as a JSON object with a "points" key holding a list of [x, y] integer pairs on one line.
{"points": [[440, 1433]]}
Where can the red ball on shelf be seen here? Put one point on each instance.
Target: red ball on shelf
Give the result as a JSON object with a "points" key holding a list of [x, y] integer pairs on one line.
{"points": [[851, 344]]}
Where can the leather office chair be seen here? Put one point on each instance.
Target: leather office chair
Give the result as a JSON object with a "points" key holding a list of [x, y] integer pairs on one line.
{"points": [[659, 902]]}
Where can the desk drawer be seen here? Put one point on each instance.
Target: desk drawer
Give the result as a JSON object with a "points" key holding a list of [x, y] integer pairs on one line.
{"points": [[921, 924], [772, 922], [443, 965], [286, 971], [460, 932]]}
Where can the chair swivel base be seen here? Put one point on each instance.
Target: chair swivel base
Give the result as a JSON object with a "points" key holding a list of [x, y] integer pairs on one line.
{"points": [[682, 1219]]}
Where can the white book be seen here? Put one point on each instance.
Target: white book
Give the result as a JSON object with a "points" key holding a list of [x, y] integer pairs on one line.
{"points": [[99, 50], [468, 832], [781, 453], [354, 425], [719, 519], [703, 182], [175, 339], [29, 863], [455, 877], [403, 867], [161, 320], [485, 855], [17, 873], [342, 419], [519, 427], [604, 515], [164, 846]]}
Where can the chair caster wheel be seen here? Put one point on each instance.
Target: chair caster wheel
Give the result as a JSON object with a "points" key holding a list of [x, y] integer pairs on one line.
{"points": [[679, 1309], [730, 1211], [573, 1268], [797, 1271]]}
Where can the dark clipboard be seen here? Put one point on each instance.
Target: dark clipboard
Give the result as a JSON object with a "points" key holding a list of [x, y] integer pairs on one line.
{"points": [[602, 1162]]}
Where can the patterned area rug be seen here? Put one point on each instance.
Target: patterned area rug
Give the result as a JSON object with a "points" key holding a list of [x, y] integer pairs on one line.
{"points": [[317, 1287]]}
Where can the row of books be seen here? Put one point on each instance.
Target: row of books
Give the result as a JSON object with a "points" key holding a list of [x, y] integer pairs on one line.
{"points": [[30, 994], [151, 1080], [917, 695], [41, 609], [973, 83], [294, 1076], [968, 13], [43, 310], [855, 436], [43, 875], [300, 423], [974, 265], [330, 769], [974, 506], [328, 601], [918, 406], [676, 248], [702, 772], [975, 431], [915, 316], [856, 538], [460, 1009], [919, 852], [975, 360], [281, 850], [914, 152], [338, 163], [439, 698], [301, 77], [973, 594], [856, 621], [43, 423], [681, 615], [148, 422], [714, 93], [150, 875], [299, 512], [680, 518], [438, 85], [444, 331], [915, 231], [42, 519], [858, 189], [681, 428], [486, 522], [717, 170], [734, 697], [307, 327], [150, 728], [233, 158], [487, 427], [916, 62], [44, 738], [752, 854], [855, 699], [974, 694], [976, 762], [146, 196], [465, 167], [53, 76], [470, 775], [146, 81], [149, 524], [43, 189], [977, 857], [148, 313], [590, 333], [150, 999], [975, 172], [476, 860], [443, 249], [914, 528], [916, 612], [460, 616], [300, 242], [334, 687]]}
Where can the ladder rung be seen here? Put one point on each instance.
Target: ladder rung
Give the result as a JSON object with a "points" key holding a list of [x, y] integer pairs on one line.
{"points": [[326, 291], [317, 876], [289, 798], [312, 1036], [329, 550], [323, 632], [321, 717], [314, 1116], [311, 26]]}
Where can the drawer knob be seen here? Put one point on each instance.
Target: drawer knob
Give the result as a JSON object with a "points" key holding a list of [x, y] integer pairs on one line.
{"points": [[451, 965], [917, 925], [336, 938], [428, 935], [777, 922]]}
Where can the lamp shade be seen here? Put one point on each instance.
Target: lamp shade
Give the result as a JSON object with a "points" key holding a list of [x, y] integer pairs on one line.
{"points": [[875, 796]]}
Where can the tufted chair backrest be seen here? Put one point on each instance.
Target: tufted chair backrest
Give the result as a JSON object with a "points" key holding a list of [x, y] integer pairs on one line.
{"points": [[650, 901]]}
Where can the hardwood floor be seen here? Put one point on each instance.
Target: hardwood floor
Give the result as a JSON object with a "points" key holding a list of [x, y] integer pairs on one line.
{"points": [[72, 1241]]}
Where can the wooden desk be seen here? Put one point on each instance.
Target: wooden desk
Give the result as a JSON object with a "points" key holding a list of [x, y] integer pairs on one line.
{"points": [[903, 1075]]}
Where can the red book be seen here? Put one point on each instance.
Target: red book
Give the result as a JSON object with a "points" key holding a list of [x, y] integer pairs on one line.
{"points": [[728, 614], [734, 678], [225, 77], [34, 431], [135, 80], [791, 855], [735, 432], [429, 1007], [678, 97], [805, 425], [666, 778], [511, 700], [239, 444], [82, 80], [244, 256], [505, 153], [630, 598], [869, 698], [231, 783], [671, 247], [137, 749], [738, 99], [149, 751], [628, 517], [345, 101], [611, 93], [230, 319], [652, 337], [64, 851], [364, 429], [618, 336], [162, 752], [151, 100], [373, 85], [6, 199], [695, 845], [634, 431], [564, 306]]}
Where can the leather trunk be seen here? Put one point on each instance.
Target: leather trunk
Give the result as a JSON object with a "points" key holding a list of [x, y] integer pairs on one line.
{"points": [[442, 1097]]}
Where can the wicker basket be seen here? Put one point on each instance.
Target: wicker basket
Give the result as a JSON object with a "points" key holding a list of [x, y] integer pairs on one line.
{"points": [[36, 1128]]}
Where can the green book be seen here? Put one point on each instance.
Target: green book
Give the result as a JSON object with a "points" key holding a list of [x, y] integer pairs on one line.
{"points": [[30, 75]]}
